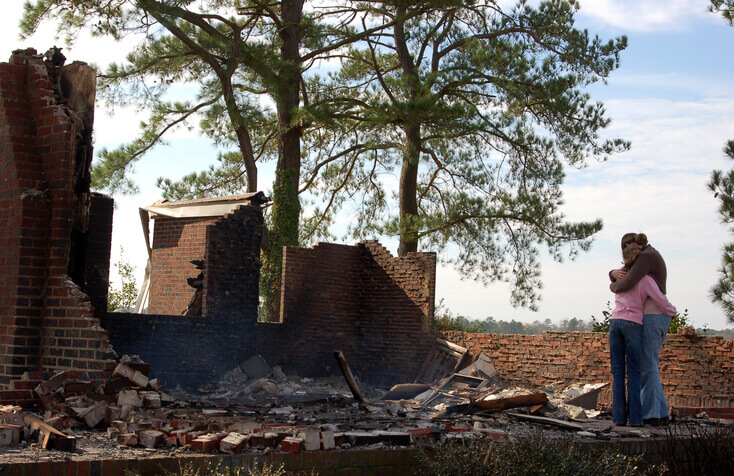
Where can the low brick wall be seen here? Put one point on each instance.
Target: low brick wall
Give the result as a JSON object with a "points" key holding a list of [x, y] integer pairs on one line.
{"points": [[696, 371], [381, 462]]}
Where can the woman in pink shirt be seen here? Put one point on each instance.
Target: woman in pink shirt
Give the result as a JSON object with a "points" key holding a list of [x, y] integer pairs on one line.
{"points": [[625, 341]]}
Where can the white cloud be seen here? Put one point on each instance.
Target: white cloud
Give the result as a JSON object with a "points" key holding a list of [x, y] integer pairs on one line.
{"points": [[644, 15]]}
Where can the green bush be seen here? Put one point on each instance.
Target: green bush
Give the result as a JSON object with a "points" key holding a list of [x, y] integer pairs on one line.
{"points": [[219, 469], [533, 455], [125, 298]]}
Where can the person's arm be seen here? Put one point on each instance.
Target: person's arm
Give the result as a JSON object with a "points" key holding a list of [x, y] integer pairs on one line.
{"points": [[651, 290], [642, 267], [617, 274]]}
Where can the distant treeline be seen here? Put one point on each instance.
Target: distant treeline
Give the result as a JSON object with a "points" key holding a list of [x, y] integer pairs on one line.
{"points": [[444, 320]]}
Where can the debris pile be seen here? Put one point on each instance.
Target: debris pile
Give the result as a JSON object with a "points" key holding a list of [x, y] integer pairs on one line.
{"points": [[258, 408]]}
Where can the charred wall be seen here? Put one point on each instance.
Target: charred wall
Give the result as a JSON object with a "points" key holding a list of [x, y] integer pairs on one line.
{"points": [[358, 299], [374, 307], [191, 350]]}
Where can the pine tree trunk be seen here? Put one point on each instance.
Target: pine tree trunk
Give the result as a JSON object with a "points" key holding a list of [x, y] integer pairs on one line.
{"points": [[286, 206], [408, 199], [408, 192]]}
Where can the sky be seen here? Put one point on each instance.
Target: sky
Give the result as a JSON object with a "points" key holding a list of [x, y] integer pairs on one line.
{"points": [[672, 97]]}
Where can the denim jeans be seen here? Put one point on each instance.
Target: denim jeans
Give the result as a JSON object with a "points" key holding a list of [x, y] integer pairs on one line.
{"points": [[654, 330], [625, 352]]}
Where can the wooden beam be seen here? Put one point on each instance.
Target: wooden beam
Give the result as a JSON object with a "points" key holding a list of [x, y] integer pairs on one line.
{"points": [[513, 402], [339, 356]]}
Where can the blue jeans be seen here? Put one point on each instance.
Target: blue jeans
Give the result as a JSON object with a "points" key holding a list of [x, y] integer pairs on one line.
{"points": [[654, 330], [625, 351]]}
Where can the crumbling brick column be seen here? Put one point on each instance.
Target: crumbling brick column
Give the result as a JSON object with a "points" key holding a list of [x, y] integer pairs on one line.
{"points": [[45, 319]]}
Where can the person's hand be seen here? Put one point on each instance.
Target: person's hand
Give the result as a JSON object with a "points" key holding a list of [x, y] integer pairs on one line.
{"points": [[618, 274]]}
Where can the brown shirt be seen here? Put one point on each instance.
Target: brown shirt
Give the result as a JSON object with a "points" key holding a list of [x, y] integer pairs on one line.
{"points": [[649, 262]]}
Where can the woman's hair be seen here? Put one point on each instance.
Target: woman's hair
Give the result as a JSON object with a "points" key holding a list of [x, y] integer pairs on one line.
{"points": [[630, 253], [638, 238]]}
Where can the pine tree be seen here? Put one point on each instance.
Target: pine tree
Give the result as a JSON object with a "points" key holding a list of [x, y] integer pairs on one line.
{"points": [[722, 184], [477, 109]]}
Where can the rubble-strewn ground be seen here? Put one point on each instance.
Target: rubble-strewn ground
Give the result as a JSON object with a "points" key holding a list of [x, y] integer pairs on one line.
{"points": [[258, 410], [316, 404]]}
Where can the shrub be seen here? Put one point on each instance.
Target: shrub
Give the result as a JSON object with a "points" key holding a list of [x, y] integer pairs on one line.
{"points": [[696, 449], [532, 455]]}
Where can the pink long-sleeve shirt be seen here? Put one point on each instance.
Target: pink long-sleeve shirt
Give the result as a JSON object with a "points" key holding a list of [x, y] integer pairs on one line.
{"points": [[628, 305]]}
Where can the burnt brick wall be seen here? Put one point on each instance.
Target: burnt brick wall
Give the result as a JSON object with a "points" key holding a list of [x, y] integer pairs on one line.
{"points": [[23, 219], [696, 371], [232, 274], [41, 311], [176, 241], [358, 299]]}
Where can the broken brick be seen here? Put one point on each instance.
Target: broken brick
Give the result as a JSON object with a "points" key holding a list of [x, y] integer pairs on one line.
{"points": [[129, 397], [127, 439], [51, 402], [264, 440], [60, 422], [311, 440], [59, 442], [51, 384], [12, 415], [115, 385], [151, 399], [327, 440], [150, 438], [499, 436], [424, 435], [233, 443], [207, 443], [135, 376], [244, 426], [112, 413], [9, 435], [180, 424], [292, 444], [93, 415]]}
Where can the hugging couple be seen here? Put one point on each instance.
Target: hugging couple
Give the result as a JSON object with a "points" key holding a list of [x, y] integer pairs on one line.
{"points": [[637, 329]]}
